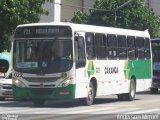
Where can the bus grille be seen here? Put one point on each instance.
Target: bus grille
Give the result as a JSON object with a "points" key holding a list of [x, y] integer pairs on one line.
{"points": [[7, 86], [44, 86], [44, 80], [41, 92]]}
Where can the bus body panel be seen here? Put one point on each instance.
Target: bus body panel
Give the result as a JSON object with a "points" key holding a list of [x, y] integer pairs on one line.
{"points": [[112, 76]]}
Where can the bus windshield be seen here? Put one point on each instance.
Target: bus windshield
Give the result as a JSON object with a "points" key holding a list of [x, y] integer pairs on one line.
{"points": [[42, 56], [156, 55]]}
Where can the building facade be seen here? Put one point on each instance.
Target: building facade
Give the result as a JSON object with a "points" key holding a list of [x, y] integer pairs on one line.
{"points": [[68, 7], [155, 5]]}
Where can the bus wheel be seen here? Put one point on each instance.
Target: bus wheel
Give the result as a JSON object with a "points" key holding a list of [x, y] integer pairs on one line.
{"points": [[128, 96], [38, 102], [88, 100], [154, 90], [131, 95]]}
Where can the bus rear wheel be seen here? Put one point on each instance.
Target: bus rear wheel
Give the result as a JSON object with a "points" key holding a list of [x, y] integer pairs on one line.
{"points": [[132, 91], [38, 102], [131, 95], [91, 94]]}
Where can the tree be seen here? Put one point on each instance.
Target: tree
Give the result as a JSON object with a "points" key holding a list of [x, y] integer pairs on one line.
{"points": [[80, 17], [15, 12], [135, 15]]}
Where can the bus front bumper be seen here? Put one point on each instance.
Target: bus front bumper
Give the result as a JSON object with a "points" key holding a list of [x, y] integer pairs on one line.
{"points": [[44, 93]]}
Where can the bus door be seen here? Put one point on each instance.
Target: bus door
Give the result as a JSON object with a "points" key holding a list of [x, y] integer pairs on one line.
{"points": [[80, 59]]}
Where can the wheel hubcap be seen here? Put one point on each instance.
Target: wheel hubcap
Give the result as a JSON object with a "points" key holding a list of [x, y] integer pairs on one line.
{"points": [[90, 94], [132, 91]]}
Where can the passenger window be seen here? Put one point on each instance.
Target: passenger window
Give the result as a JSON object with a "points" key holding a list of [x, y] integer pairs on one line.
{"points": [[140, 49], [100, 46], [147, 48], [122, 47], [112, 46], [131, 47]]}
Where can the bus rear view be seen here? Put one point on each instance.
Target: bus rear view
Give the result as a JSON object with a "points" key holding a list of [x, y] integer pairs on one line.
{"points": [[156, 65]]}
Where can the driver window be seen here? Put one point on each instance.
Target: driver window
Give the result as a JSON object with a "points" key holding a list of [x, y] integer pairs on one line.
{"points": [[80, 52]]}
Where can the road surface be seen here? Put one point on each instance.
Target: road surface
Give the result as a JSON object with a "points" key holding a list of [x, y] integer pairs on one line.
{"points": [[104, 108]]}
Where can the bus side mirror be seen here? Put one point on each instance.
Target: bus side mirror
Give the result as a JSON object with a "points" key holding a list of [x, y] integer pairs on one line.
{"points": [[4, 66]]}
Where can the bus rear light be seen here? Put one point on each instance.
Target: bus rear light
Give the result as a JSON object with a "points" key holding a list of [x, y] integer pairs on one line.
{"points": [[64, 92]]}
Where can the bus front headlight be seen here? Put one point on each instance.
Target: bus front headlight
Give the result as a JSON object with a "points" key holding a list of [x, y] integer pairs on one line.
{"points": [[18, 83], [66, 82]]}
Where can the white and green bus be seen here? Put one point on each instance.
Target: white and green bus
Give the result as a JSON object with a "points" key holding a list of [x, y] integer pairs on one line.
{"points": [[75, 61]]}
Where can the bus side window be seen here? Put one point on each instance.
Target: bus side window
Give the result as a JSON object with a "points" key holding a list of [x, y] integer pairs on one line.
{"points": [[80, 52], [90, 45], [112, 46], [122, 47], [100, 46], [140, 48], [131, 47], [147, 48]]}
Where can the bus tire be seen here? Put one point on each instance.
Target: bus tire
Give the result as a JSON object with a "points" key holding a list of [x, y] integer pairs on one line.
{"points": [[91, 94], [38, 102], [132, 91], [154, 90], [128, 96]]}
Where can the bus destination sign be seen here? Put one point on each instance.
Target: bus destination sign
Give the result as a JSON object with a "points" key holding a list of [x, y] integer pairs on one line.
{"points": [[43, 31], [156, 44]]}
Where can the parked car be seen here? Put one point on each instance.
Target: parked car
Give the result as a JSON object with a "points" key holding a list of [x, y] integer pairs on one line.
{"points": [[6, 87]]}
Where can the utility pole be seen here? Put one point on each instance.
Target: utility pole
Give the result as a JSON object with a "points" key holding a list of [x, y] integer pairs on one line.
{"points": [[57, 10]]}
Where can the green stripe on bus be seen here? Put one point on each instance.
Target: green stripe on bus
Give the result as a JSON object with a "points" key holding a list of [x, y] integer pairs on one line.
{"points": [[90, 69], [141, 69]]}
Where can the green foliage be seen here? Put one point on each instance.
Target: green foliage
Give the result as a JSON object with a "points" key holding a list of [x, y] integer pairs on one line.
{"points": [[80, 17], [134, 15], [15, 12]]}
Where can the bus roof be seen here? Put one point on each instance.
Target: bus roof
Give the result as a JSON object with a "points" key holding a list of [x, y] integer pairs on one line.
{"points": [[95, 29]]}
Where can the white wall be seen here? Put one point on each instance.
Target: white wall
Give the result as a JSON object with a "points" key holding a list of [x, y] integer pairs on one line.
{"points": [[50, 7], [155, 4], [68, 8], [88, 4]]}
